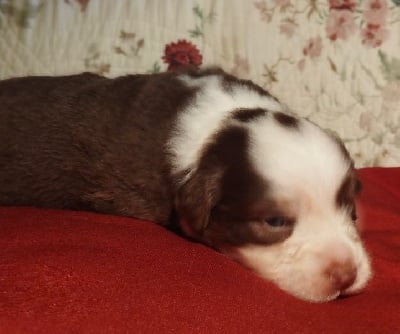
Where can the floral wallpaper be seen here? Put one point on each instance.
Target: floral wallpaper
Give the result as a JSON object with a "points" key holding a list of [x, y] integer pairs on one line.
{"points": [[336, 62]]}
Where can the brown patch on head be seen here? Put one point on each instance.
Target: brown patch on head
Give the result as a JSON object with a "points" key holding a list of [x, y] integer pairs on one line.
{"points": [[248, 115], [345, 196], [196, 198], [286, 120], [351, 185], [240, 204]]}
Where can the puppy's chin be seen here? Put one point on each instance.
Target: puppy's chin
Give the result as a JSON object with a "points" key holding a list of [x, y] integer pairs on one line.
{"points": [[304, 274]]}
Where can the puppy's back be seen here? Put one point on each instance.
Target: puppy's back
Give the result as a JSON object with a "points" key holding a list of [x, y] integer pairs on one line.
{"points": [[88, 142]]}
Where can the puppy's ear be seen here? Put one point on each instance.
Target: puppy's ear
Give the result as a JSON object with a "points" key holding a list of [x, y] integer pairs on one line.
{"points": [[358, 186], [195, 199]]}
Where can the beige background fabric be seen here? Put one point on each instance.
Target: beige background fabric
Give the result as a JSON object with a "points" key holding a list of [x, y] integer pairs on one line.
{"points": [[336, 62]]}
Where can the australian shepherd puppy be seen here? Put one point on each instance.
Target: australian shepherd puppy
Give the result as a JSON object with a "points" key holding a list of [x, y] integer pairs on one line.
{"points": [[199, 150]]}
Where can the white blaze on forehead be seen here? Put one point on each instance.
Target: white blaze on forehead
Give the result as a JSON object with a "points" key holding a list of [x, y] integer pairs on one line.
{"points": [[206, 114], [298, 159]]}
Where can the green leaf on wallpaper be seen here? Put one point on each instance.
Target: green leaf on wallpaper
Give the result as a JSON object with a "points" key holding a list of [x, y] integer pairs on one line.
{"points": [[155, 69], [389, 67], [198, 12], [332, 65], [196, 32], [396, 2], [6, 8], [20, 16], [211, 17]]}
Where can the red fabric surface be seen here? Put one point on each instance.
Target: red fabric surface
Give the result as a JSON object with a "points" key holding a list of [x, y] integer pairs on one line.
{"points": [[63, 271]]}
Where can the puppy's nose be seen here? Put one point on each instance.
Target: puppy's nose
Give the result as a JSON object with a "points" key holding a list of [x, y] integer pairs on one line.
{"points": [[339, 267], [341, 274]]}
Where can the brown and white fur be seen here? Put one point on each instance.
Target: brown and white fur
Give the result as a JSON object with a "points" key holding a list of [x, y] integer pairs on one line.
{"points": [[215, 156]]}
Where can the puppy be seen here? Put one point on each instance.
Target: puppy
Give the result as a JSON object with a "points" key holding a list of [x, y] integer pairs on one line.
{"points": [[203, 151]]}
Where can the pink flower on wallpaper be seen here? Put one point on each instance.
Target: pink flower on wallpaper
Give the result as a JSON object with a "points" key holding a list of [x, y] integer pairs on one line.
{"points": [[288, 27], [373, 35], [265, 12], [342, 4], [301, 64], [82, 3], [181, 53], [282, 4], [374, 32], [340, 24], [313, 47], [376, 11]]}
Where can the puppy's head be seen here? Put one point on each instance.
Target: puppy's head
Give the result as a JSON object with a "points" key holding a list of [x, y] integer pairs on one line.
{"points": [[276, 193]]}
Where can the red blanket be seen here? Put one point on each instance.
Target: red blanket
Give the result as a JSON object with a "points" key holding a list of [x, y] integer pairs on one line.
{"points": [[79, 272]]}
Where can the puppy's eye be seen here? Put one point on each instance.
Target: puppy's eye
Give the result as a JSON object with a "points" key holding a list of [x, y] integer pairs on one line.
{"points": [[277, 221], [354, 215]]}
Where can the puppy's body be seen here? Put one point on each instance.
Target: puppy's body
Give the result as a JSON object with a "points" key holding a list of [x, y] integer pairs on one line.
{"points": [[272, 191], [87, 142]]}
